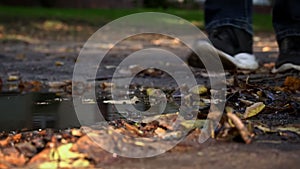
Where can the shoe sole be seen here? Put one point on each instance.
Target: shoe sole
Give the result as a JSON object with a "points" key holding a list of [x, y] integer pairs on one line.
{"points": [[285, 67], [240, 60]]}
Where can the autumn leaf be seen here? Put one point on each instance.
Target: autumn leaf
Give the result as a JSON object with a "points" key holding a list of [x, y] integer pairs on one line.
{"points": [[199, 89], [254, 109], [289, 128], [63, 152]]}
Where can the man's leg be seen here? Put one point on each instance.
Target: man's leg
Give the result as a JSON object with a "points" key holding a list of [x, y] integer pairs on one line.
{"points": [[286, 22], [229, 27], [237, 13]]}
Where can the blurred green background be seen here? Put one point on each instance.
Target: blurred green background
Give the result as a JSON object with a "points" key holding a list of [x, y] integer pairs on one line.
{"points": [[99, 12]]}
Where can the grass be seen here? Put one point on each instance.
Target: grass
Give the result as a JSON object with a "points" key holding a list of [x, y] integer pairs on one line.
{"points": [[262, 22]]}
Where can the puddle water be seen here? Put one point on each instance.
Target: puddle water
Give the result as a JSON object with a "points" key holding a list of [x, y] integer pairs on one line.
{"points": [[49, 110], [36, 110]]}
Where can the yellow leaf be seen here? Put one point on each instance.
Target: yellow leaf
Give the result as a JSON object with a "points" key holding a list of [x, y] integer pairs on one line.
{"points": [[80, 163], [56, 164], [254, 109], [63, 153], [48, 165], [152, 91], [190, 124], [199, 90]]}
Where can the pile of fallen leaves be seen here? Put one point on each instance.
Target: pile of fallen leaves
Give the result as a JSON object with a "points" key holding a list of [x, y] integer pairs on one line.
{"points": [[50, 149], [252, 114]]}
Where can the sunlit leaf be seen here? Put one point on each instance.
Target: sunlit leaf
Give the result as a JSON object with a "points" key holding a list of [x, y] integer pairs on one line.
{"points": [[200, 89], [81, 163], [254, 109], [190, 124], [63, 153], [47, 165]]}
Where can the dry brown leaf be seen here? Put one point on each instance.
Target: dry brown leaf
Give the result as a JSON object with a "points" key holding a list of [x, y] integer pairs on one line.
{"points": [[86, 145], [245, 134], [4, 165], [160, 131], [27, 149], [5, 142], [293, 83], [12, 156], [133, 129], [17, 137]]}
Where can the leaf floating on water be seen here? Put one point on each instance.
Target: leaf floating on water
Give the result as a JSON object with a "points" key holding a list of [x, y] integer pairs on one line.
{"points": [[254, 109]]}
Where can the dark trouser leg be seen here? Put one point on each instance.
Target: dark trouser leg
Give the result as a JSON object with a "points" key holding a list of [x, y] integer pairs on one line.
{"points": [[286, 18], [237, 13]]}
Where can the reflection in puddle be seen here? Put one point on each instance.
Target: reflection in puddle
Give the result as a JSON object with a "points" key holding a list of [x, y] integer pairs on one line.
{"points": [[36, 110], [48, 110]]}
